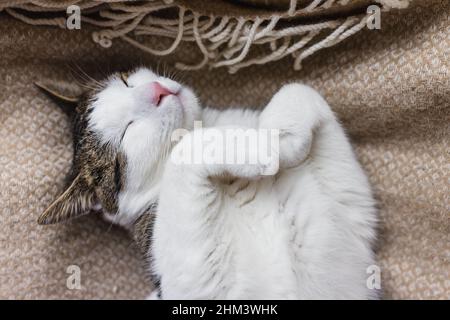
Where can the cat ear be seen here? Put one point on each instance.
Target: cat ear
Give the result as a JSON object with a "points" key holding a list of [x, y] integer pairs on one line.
{"points": [[77, 200], [65, 95]]}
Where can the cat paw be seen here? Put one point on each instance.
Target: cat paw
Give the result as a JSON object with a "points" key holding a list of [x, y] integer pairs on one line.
{"points": [[256, 168], [227, 154]]}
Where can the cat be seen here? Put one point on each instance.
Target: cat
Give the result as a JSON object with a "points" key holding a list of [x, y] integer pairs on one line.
{"points": [[223, 230]]}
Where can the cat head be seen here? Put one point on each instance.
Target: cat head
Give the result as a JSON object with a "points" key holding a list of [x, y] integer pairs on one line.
{"points": [[122, 138]]}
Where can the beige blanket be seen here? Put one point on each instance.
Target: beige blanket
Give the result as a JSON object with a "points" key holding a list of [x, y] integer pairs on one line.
{"points": [[389, 87]]}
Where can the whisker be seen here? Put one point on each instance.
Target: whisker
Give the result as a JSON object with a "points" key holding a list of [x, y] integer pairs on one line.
{"points": [[88, 78]]}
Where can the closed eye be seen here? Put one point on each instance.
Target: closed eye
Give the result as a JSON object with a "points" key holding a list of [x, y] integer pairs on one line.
{"points": [[124, 78], [125, 131]]}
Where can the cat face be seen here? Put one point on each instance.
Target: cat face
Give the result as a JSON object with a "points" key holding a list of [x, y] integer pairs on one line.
{"points": [[122, 138]]}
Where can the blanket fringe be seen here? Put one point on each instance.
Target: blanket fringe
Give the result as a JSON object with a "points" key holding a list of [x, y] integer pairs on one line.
{"points": [[223, 41]]}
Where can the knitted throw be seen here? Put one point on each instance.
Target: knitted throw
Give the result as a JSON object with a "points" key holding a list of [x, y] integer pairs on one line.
{"points": [[225, 31]]}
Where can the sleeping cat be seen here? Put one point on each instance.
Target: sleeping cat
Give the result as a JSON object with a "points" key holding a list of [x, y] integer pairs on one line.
{"points": [[223, 230]]}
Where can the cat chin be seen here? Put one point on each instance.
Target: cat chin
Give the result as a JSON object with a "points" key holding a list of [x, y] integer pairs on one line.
{"points": [[192, 110]]}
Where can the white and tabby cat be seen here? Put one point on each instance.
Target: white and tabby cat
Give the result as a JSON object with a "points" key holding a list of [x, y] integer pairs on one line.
{"points": [[224, 231]]}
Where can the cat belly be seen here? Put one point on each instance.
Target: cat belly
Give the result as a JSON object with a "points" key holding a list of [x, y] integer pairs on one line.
{"points": [[294, 242], [261, 257]]}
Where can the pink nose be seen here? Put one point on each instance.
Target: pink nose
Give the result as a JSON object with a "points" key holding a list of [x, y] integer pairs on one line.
{"points": [[159, 92]]}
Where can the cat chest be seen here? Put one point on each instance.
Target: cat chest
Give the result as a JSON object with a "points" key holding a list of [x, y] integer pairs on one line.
{"points": [[260, 234]]}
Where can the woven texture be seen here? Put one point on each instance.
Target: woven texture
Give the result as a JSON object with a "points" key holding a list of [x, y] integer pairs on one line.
{"points": [[226, 33], [390, 88]]}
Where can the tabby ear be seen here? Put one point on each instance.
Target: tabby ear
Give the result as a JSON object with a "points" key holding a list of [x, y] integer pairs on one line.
{"points": [[77, 200], [65, 95]]}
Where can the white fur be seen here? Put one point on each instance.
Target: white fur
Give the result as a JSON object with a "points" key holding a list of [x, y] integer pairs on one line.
{"points": [[304, 233], [146, 141]]}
